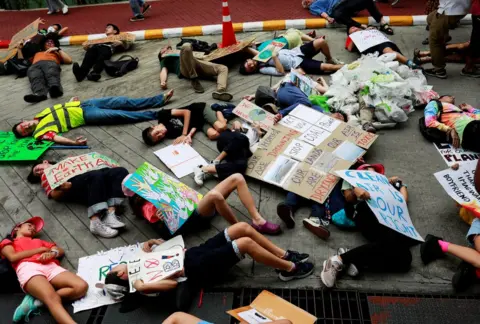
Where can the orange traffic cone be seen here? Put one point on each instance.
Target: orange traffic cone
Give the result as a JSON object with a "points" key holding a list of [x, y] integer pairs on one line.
{"points": [[228, 35]]}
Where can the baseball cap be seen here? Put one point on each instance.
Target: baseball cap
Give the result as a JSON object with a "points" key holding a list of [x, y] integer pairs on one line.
{"points": [[36, 221], [379, 168]]}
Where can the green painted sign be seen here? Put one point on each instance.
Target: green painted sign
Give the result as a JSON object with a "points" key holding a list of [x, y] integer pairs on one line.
{"points": [[23, 149]]}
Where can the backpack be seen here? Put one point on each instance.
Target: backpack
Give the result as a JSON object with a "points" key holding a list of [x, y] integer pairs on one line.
{"points": [[17, 66], [264, 95], [433, 134], [8, 277], [198, 45], [120, 67]]}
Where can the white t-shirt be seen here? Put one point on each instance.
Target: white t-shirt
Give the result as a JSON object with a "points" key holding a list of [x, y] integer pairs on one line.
{"points": [[454, 7]]}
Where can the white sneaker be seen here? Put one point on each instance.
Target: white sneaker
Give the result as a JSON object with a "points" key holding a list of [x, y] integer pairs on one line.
{"points": [[331, 267], [199, 175], [97, 227], [335, 61], [65, 9], [352, 270], [113, 221], [49, 12]]}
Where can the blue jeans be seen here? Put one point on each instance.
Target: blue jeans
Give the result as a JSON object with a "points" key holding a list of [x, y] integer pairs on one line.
{"points": [[289, 97], [136, 6], [120, 110], [333, 204]]}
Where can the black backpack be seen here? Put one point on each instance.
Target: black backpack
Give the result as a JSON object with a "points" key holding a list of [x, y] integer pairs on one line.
{"points": [[17, 66], [264, 95], [198, 45], [433, 134], [120, 67]]}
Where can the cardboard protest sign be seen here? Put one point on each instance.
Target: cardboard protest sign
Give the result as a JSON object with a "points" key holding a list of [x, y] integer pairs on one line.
{"points": [[304, 83], [266, 53], [254, 114], [269, 307], [21, 149], [302, 152], [453, 155], [6, 54], [175, 200], [176, 52], [181, 159], [386, 202], [366, 39], [221, 52], [460, 185], [66, 169], [26, 33], [94, 268], [155, 266], [124, 37]]}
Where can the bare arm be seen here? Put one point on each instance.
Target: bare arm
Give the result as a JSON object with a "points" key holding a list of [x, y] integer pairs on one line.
{"points": [[163, 77], [12, 256], [66, 59], [466, 254], [66, 141], [60, 251], [251, 51], [58, 192], [404, 193], [63, 31], [350, 196], [153, 287], [278, 64]]}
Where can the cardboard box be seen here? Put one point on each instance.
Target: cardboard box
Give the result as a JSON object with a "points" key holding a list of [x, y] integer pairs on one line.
{"points": [[268, 307]]}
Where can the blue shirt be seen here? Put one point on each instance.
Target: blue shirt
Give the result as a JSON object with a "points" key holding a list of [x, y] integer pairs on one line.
{"points": [[321, 6], [290, 59]]}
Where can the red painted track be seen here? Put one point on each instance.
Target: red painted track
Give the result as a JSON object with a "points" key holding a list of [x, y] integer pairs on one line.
{"points": [[173, 13]]}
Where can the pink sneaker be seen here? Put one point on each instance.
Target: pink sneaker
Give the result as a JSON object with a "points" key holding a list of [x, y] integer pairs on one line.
{"points": [[267, 228]]}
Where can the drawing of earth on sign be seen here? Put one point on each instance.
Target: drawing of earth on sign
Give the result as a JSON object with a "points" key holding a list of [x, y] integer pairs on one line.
{"points": [[257, 115]]}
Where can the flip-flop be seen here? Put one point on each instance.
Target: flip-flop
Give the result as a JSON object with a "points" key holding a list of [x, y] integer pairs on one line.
{"points": [[168, 96], [386, 29]]}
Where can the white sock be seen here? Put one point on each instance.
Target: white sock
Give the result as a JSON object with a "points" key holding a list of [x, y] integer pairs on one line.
{"points": [[37, 303]]}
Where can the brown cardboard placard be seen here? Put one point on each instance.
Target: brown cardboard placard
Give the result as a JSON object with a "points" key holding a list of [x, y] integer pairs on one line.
{"points": [[175, 52], [221, 52], [124, 37], [6, 54], [26, 33], [272, 307], [254, 114]]}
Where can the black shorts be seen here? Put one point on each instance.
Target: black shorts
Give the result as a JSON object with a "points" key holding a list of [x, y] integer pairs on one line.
{"points": [[380, 47], [309, 65], [470, 136], [229, 167], [475, 38], [210, 261]]}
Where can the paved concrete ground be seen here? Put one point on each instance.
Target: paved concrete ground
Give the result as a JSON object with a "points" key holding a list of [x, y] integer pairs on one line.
{"points": [[403, 151]]}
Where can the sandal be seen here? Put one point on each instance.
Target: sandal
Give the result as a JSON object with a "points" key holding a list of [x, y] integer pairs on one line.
{"points": [[386, 29], [167, 97], [267, 228], [163, 86]]}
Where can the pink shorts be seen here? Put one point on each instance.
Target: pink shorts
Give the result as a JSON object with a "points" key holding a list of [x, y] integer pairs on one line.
{"points": [[27, 270]]}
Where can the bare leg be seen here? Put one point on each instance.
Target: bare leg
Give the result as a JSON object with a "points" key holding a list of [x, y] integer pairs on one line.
{"points": [[181, 318], [400, 58], [320, 44], [327, 67], [250, 242], [209, 169], [163, 78], [69, 286], [469, 255], [41, 289]]}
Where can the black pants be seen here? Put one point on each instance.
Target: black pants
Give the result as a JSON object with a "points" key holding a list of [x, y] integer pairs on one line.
{"points": [[237, 147], [94, 58], [471, 135], [346, 9], [43, 75], [98, 189], [389, 251]]}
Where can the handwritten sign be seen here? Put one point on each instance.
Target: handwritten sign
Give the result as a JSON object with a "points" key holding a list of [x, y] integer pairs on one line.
{"points": [[366, 39], [266, 53], [155, 266], [304, 83], [302, 152], [21, 149], [181, 159], [254, 114], [124, 37], [175, 200], [386, 202], [221, 52], [26, 33], [460, 185], [453, 155], [66, 169]]}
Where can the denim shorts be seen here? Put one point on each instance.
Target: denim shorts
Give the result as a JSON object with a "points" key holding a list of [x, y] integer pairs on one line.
{"points": [[473, 231]]}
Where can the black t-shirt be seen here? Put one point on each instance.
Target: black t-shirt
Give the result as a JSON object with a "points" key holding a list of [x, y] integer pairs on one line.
{"points": [[174, 125], [235, 144]]}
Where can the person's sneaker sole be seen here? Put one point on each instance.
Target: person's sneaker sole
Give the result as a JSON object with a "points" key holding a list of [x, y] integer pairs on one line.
{"points": [[145, 10], [285, 279], [115, 226], [476, 76], [436, 75], [284, 212], [222, 96], [321, 232], [34, 98], [136, 19], [105, 235], [55, 92], [321, 275]]}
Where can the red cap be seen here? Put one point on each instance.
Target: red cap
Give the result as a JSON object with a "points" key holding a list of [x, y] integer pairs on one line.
{"points": [[379, 168], [36, 221]]}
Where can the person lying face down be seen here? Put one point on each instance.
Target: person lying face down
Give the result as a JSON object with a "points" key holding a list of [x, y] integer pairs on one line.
{"points": [[383, 48]]}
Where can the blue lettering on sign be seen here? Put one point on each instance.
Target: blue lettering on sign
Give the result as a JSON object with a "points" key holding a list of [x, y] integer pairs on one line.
{"points": [[397, 195], [365, 175]]}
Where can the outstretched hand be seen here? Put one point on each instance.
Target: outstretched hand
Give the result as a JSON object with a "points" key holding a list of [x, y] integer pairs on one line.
{"points": [[81, 140]]}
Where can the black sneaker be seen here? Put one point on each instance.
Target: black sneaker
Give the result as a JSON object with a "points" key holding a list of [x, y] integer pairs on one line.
{"points": [[34, 98], [464, 277], [441, 74], [197, 86], [92, 76], [55, 92], [137, 18], [475, 73], [146, 7], [222, 95], [302, 270], [285, 213], [77, 71], [430, 249], [296, 257]]}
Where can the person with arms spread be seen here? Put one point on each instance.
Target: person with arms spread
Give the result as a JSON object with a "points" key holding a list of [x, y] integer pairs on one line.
{"points": [[181, 124], [461, 124], [48, 124], [39, 272], [322, 8]]}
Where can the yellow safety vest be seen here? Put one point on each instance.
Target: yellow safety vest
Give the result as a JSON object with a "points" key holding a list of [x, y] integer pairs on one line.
{"points": [[59, 119]]}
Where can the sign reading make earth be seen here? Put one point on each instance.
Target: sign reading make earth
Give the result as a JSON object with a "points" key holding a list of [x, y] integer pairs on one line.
{"points": [[21, 149], [302, 152]]}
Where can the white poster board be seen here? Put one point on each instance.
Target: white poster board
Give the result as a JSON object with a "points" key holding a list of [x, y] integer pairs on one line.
{"points": [[459, 184], [181, 159], [304, 83], [366, 39], [386, 202], [453, 155]]}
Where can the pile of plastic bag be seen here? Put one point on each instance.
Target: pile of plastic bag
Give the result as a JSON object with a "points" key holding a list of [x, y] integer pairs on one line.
{"points": [[392, 89]]}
